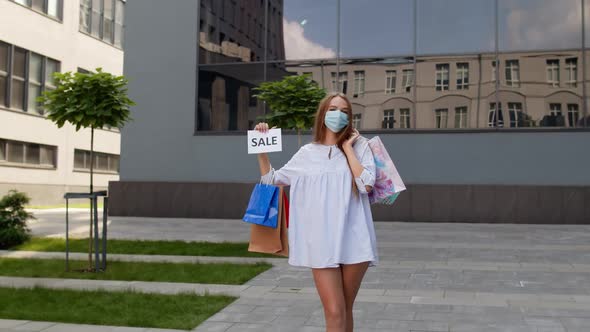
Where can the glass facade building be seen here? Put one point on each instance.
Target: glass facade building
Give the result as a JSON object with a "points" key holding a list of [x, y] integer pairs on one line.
{"points": [[405, 64]]}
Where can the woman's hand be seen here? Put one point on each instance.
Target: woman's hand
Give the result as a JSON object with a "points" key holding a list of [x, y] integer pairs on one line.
{"points": [[350, 141], [263, 127]]}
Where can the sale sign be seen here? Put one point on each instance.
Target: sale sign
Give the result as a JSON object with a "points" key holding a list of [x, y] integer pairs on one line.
{"points": [[264, 142]]}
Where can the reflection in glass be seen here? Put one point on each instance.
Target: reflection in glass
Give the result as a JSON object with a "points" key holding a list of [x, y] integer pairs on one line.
{"points": [[378, 93], [455, 26], [537, 87], [309, 29], [226, 99], [539, 24], [375, 28]]}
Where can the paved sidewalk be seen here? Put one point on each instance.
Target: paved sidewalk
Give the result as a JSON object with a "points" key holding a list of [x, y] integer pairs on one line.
{"points": [[432, 277]]}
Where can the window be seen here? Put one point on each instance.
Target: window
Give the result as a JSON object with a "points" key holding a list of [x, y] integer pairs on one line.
{"points": [[512, 73], [388, 119], [356, 120], [24, 153], [108, 16], [442, 77], [103, 19], [573, 114], [571, 72], [463, 76], [461, 117], [29, 75], [342, 83], [555, 109], [359, 84], [553, 72], [85, 14], [52, 8], [515, 114], [495, 118], [4, 51], [441, 119], [35, 79], [18, 79], [404, 117], [494, 71], [408, 79], [102, 161], [390, 77]]}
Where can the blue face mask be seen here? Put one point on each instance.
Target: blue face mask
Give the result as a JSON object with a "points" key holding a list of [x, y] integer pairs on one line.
{"points": [[336, 120]]}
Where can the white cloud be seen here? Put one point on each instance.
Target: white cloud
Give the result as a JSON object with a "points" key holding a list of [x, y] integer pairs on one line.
{"points": [[298, 47], [544, 24]]}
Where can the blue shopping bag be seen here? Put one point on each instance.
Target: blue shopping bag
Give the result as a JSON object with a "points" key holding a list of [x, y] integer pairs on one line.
{"points": [[263, 208]]}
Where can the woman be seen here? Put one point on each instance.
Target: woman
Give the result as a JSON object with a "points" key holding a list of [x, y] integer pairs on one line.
{"points": [[331, 227]]}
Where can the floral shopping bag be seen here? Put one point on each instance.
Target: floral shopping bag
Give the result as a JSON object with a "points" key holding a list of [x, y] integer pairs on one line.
{"points": [[388, 183]]}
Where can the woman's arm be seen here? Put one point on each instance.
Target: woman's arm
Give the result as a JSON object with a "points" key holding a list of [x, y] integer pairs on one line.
{"points": [[263, 160], [264, 163], [353, 162]]}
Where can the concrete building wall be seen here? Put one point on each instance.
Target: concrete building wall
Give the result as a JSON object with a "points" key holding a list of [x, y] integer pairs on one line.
{"points": [[62, 41]]}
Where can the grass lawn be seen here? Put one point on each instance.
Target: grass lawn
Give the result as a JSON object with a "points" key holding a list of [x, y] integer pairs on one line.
{"points": [[55, 206], [138, 247], [209, 273], [184, 311]]}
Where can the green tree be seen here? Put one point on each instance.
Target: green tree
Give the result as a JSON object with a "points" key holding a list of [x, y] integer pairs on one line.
{"points": [[293, 102], [88, 100]]}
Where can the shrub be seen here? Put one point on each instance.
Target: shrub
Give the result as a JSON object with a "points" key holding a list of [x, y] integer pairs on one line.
{"points": [[13, 219]]}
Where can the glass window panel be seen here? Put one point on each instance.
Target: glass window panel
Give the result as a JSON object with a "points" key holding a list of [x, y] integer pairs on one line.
{"points": [[539, 24], [35, 68], [119, 23], [39, 5], [18, 94], [306, 30], [108, 24], [225, 96], [52, 67], [378, 28], [388, 119], [32, 154], [47, 155], [3, 98], [4, 49], [459, 84], [2, 150], [79, 158], [404, 117], [96, 17], [54, 8], [34, 92], [85, 14], [19, 62], [24, 2], [114, 163], [16, 152], [362, 80], [101, 162], [472, 20]]}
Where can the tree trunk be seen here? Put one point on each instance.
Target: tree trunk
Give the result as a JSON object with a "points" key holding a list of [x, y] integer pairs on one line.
{"points": [[91, 201]]}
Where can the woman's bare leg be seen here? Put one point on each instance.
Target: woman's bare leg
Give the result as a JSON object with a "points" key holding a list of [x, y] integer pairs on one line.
{"points": [[352, 276], [329, 285]]}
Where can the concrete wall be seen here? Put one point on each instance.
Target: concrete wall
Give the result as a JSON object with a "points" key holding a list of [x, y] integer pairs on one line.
{"points": [[476, 158]]}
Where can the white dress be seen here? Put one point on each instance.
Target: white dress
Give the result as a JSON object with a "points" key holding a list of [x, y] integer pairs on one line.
{"points": [[328, 224]]}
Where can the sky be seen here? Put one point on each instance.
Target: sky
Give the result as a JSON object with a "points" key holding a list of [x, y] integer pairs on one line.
{"points": [[385, 27]]}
